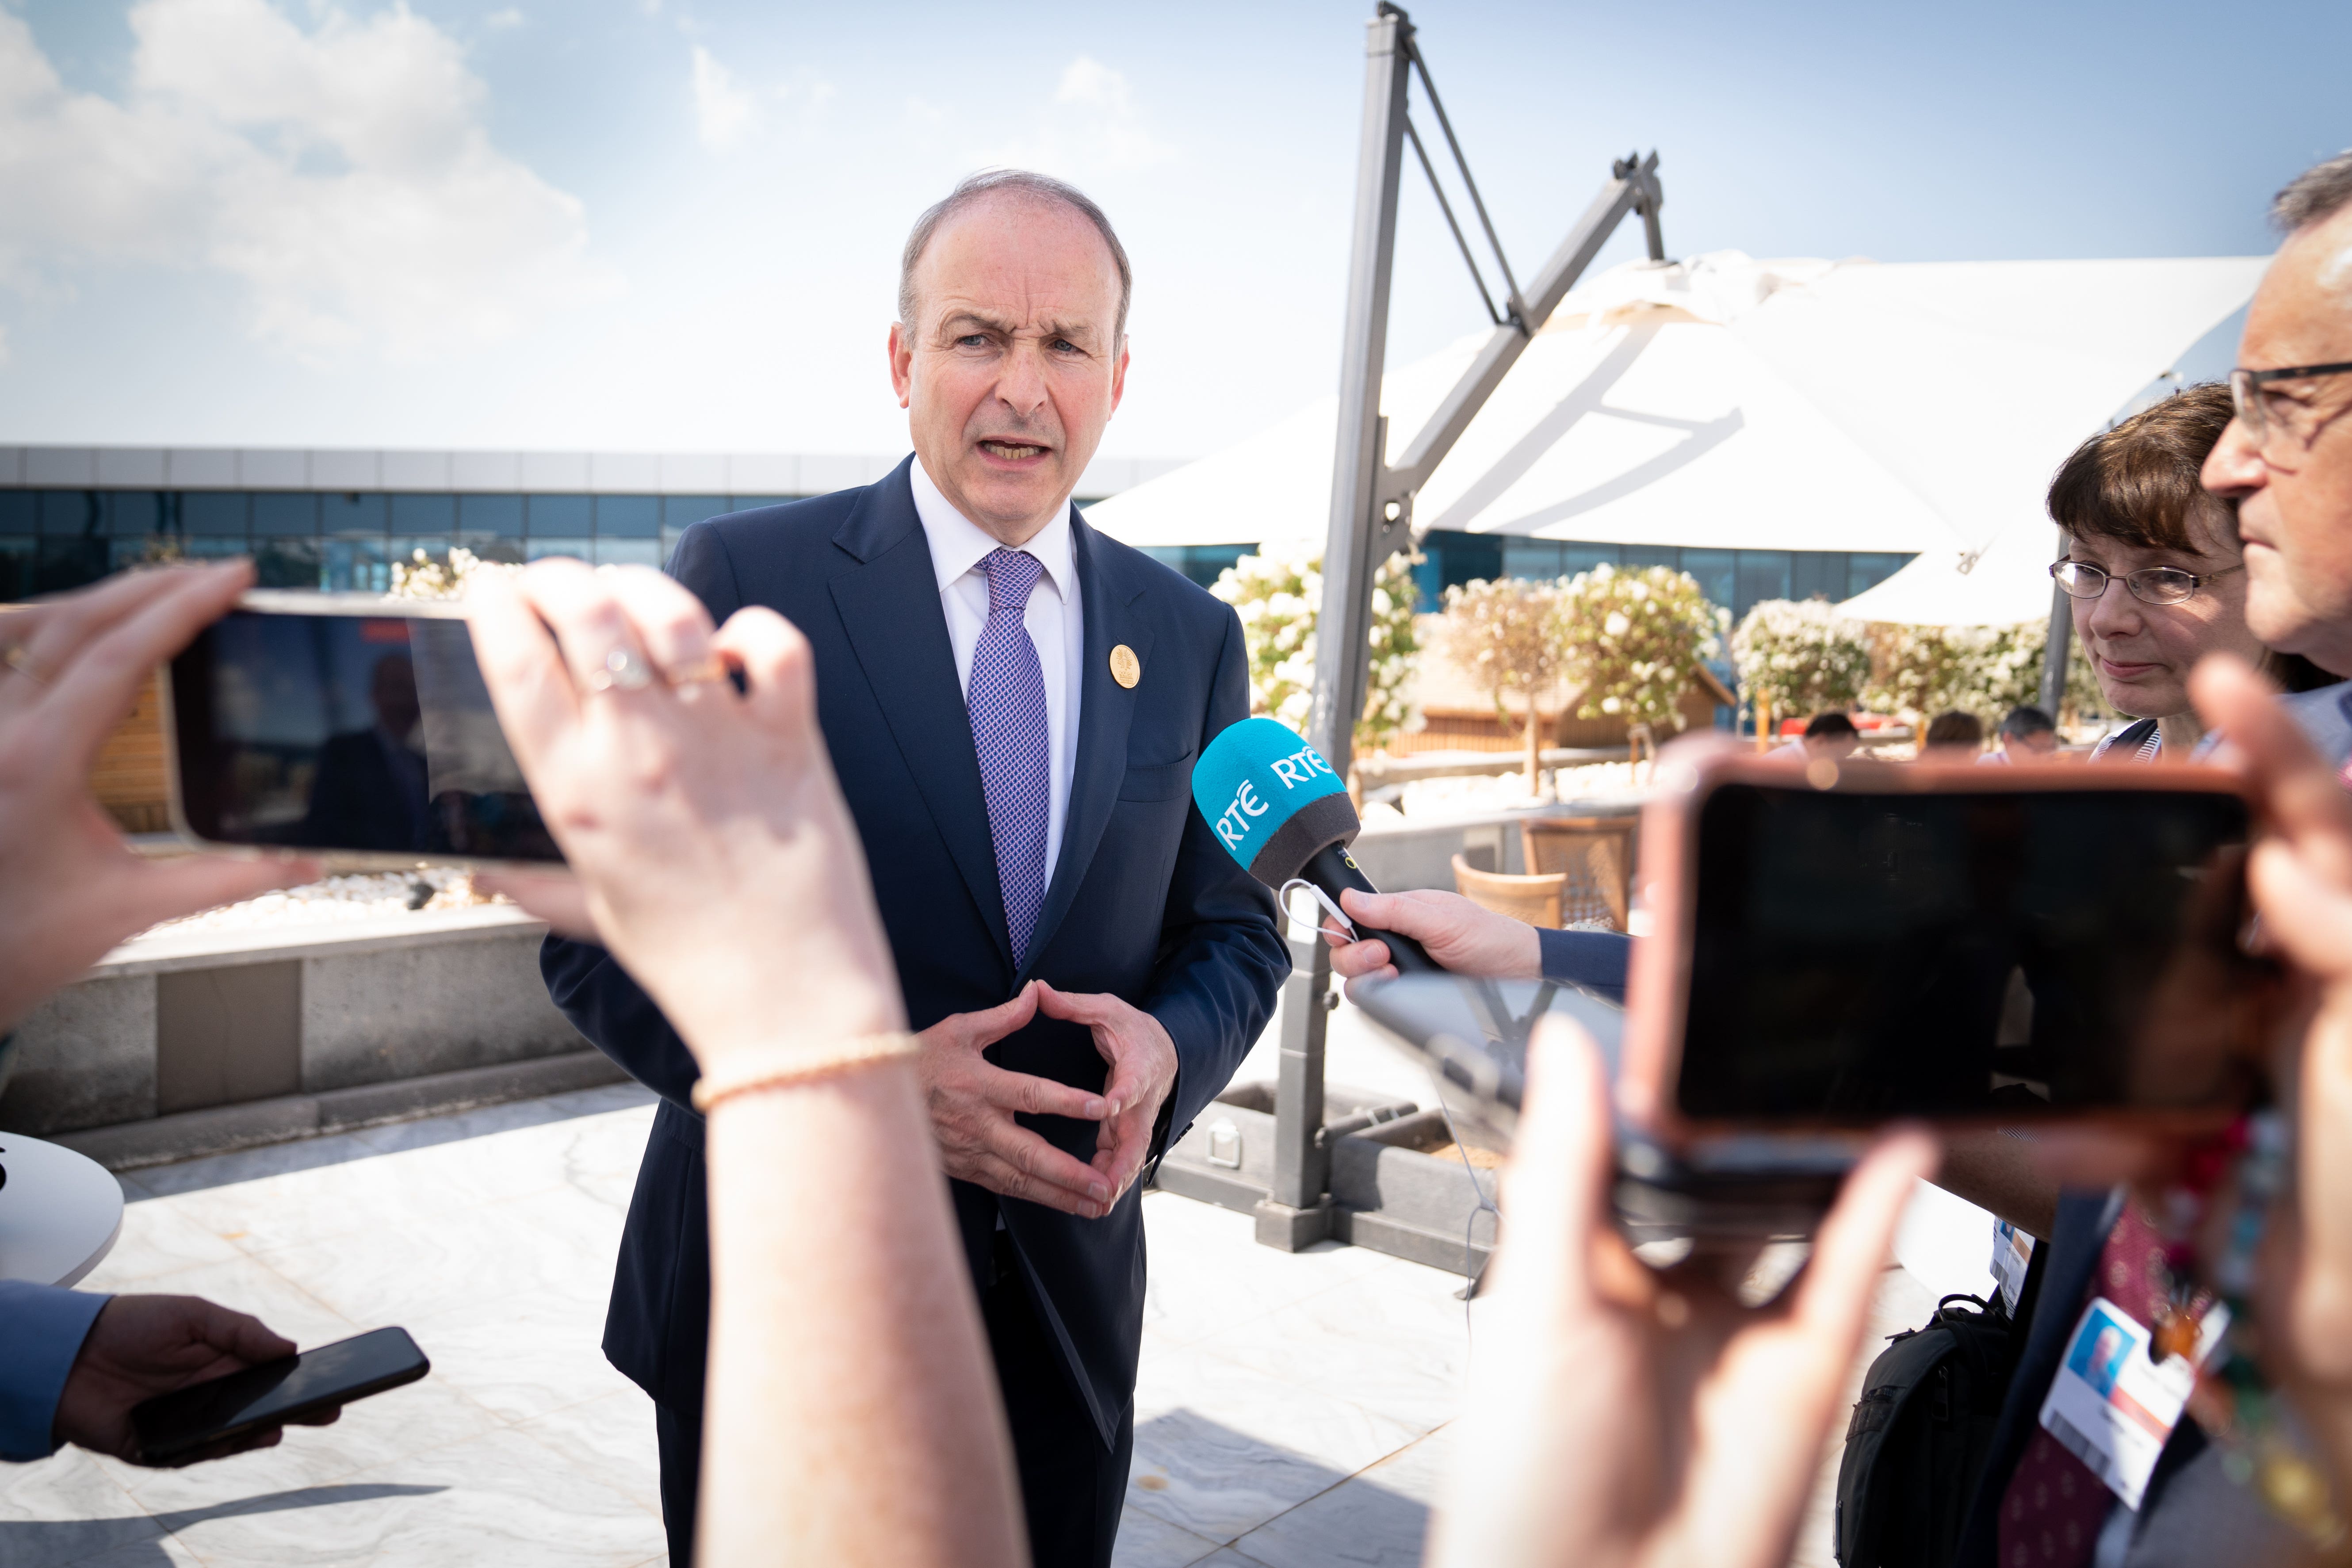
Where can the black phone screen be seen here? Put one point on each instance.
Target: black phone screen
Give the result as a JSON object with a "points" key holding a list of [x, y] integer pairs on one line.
{"points": [[274, 1393], [370, 734], [1860, 956]]}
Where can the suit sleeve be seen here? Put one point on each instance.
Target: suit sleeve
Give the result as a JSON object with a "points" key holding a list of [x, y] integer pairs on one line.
{"points": [[1595, 960], [43, 1328], [1222, 956], [586, 983]]}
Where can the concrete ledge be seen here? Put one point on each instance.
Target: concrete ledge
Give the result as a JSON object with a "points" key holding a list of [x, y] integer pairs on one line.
{"points": [[162, 1139], [203, 1018]]}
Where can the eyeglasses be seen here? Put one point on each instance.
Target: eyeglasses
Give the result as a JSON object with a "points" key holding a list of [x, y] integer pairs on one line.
{"points": [[2266, 415], [2149, 585]]}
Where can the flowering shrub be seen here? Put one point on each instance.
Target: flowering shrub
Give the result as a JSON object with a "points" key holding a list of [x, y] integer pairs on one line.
{"points": [[1632, 639], [1277, 595], [1508, 637], [1796, 660], [1920, 671], [422, 577]]}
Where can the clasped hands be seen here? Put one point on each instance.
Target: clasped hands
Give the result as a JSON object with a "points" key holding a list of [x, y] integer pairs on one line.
{"points": [[974, 1102]]}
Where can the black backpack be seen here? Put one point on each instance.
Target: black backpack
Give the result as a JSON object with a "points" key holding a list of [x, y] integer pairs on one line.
{"points": [[1916, 1444]]}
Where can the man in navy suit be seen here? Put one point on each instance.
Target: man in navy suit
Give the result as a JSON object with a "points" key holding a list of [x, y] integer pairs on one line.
{"points": [[1014, 704]]}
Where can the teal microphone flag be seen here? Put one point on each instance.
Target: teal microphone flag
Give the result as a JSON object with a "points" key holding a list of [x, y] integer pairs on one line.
{"points": [[1271, 799]]}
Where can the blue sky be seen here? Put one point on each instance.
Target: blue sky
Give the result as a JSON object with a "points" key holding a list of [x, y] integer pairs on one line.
{"points": [[661, 224]]}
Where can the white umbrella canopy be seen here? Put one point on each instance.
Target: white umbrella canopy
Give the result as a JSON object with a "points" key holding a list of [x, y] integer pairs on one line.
{"points": [[1971, 382], [1722, 402]]}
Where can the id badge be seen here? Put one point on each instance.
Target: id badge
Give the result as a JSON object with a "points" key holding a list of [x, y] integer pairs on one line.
{"points": [[2012, 1252], [2113, 1408]]}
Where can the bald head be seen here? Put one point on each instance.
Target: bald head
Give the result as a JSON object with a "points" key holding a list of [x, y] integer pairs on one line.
{"points": [[1024, 189]]}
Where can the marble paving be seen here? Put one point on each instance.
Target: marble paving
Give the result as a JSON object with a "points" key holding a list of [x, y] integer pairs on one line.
{"points": [[1292, 1409]]}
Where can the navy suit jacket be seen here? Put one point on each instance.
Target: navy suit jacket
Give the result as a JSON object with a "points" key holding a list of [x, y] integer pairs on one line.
{"points": [[1143, 903]]}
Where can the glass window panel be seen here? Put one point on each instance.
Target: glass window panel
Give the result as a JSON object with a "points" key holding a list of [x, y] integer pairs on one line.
{"points": [[498, 516], [284, 513], [1763, 574], [1817, 574], [20, 513], [1457, 558], [217, 514], [681, 512], [1869, 571], [142, 549], [212, 547], [579, 549], [1717, 575], [71, 511], [285, 562], [425, 517], [65, 562], [628, 552], [356, 566], [1652, 556], [20, 563], [628, 517], [1535, 558], [492, 547], [136, 514], [1577, 558], [745, 503], [346, 513], [561, 517]]}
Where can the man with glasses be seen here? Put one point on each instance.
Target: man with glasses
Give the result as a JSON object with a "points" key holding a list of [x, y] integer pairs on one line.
{"points": [[2286, 459]]}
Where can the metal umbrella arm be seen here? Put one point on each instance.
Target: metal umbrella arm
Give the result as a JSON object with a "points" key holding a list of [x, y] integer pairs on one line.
{"points": [[1372, 511]]}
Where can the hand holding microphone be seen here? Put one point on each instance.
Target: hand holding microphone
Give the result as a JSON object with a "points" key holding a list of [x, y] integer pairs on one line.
{"points": [[1280, 810]]}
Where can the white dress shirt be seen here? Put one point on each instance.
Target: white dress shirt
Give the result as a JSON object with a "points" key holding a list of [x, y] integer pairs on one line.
{"points": [[1055, 625]]}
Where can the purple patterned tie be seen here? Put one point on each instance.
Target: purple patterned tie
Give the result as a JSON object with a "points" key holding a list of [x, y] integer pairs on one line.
{"points": [[1006, 698]]}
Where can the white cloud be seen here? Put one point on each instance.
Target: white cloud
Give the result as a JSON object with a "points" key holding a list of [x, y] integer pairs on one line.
{"points": [[1089, 81], [1093, 128], [723, 108], [342, 174]]}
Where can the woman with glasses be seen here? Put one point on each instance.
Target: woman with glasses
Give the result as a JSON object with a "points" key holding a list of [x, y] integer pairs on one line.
{"points": [[2154, 569], [2156, 572]]}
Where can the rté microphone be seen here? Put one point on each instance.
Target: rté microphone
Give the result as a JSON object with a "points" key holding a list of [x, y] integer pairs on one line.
{"points": [[1277, 807]]}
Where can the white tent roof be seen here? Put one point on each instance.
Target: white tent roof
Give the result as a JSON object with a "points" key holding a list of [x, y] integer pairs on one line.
{"points": [[1722, 402]]}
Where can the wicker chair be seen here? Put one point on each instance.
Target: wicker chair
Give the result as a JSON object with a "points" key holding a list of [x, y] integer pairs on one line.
{"points": [[1534, 899], [1593, 854]]}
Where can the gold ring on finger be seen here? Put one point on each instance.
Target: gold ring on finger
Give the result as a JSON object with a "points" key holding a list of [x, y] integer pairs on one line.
{"points": [[701, 671], [624, 671]]}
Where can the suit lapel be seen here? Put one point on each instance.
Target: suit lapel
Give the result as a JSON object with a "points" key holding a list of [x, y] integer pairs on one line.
{"points": [[890, 611], [1107, 601]]}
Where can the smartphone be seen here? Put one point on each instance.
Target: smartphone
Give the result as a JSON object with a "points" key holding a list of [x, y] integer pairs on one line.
{"points": [[1836, 945], [1473, 1036], [189, 1420], [347, 725]]}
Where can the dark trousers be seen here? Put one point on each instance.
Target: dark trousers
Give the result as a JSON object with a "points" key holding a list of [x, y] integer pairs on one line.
{"points": [[1072, 1485], [679, 1435]]}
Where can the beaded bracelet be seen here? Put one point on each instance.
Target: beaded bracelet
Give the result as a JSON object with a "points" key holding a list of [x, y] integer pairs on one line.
{"points": [[778, 1067]]}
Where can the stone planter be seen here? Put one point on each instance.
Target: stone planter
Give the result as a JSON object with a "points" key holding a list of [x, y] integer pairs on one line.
{"points": [[1393, 1197], [196, 1020], [1227, 1158]]}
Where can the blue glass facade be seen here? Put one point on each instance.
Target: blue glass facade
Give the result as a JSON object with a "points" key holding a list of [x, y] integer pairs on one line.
{"points": [[1737, 579], [52, 540]]}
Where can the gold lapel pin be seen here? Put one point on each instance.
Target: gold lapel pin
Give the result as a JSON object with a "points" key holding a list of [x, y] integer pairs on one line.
{"points": [[1124, 668]]}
